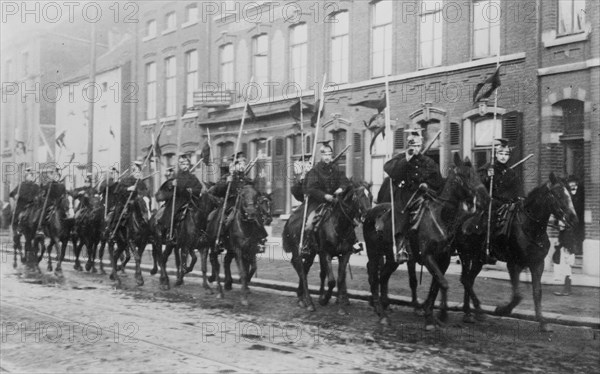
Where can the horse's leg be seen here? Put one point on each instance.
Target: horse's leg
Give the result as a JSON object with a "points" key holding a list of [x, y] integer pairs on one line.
{"points": [[101, 256], [466, 265], [192, 254], [113, 255], [138, 250], [61, 256], [229, 256], [304, 299], [179, 271], [536, 285], [16, 246], [374, 266], [475, 269], [214, 261], [514, 271], [53, 243], [330, 280], [155, 257], [413, 282], [78, 247], [243, 275], [343, 300], [252, 268], [437, 271], [203, 263], [389, 267], [164, 277]]}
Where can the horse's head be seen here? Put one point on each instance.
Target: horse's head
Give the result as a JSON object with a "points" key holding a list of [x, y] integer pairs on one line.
{"points": [[263, 202], [248, 198], [466, 186], [358, 195], [558, 199]]}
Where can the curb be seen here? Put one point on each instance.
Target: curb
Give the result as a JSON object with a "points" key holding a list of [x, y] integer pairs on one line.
{"points": [[554, 318]]}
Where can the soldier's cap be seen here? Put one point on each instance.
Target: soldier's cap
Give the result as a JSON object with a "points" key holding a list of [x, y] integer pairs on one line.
{"points": [[237, 156], [138, 163], [307, 156], [325, 146], [28, 170], [170, 169], [503, 144], [184, 156]]}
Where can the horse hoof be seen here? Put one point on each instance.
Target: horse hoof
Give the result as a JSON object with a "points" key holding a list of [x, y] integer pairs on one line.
{"points": [[94, 270], [14, 265], [49, 269], [502, 311], [102, 272], [342, 312], [220, 295], [323, 302], [245, 302], [112, 276], [310, 308], [301, 304], [443, 316], [165, 287], [140, 282], [544, 327], [88, 266], [212, 278], [153, 271], [227, 286], [468, 318], [179, 282]]}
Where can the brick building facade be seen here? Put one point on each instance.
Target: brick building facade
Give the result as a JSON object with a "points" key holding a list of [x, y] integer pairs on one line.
{"points": [[433, 52]]}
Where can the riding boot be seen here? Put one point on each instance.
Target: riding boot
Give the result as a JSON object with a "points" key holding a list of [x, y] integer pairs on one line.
{"points": [[309, 242], [357, 247], [566, 288]]}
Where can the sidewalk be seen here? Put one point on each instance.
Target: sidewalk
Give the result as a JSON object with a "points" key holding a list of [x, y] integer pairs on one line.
{"points": [[498, 271]]}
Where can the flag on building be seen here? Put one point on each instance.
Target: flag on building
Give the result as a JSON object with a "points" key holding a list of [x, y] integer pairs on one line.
{"points": [[488, 86]]}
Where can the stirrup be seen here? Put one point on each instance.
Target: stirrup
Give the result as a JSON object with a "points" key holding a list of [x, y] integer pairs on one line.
{"points": [[357, 248], [402, 256]]}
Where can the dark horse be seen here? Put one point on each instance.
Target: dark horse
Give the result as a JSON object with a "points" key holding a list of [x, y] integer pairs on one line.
{"points": [[189, 233], [333, 239], [264, 218], [57, 227], [131, 236], [89, 225], [240, 238], [528, 243], [429, 243]]}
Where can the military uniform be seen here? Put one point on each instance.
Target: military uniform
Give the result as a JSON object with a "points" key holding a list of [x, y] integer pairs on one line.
{"points": [[27, 191], [301, 168], [186, 183]]}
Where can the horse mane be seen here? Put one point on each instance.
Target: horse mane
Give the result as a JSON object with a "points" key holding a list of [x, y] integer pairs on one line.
{"points": [[534, 195]]}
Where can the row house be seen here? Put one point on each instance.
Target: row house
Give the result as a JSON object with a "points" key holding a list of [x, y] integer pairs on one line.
{"points": [[431, 53]]}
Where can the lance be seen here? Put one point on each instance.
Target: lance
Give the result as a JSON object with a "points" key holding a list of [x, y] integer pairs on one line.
{"points": [[12, 220], [522, 161], [106, 196], [237, 147], [390, 151], [340, 154], [489, 222], [179, 131], [314, 154]]}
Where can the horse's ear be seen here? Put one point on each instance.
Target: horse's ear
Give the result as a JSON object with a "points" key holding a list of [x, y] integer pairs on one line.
{"points": [[457, 160], [467, 162], [553, 178]]}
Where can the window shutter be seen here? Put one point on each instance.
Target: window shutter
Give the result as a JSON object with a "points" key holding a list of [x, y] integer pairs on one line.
{"points": [[454, 134], [399, 138], [278, 147], [357, 142], [512, 129]]}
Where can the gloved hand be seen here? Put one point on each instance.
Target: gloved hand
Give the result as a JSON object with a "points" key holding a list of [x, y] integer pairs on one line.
{"points": [[229, 178], [131, 188], [490, 172], [329, 198], [423, 187], [174, 183], [338, 191], [189, 190]]}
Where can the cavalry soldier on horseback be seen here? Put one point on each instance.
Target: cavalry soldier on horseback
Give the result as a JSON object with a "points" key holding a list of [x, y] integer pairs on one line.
{"points": [[323, 183], [52, 190], [507, 188], [414, 173], [301, 168], [238, 178], [24, 194], [186, 184]]}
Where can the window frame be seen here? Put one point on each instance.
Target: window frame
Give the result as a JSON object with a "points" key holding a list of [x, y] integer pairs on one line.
{"points": [[387, 27], [340, 67], [489, 27], [302, 48], [437, 20], [151, 87], [573, 16], [170, 86]]}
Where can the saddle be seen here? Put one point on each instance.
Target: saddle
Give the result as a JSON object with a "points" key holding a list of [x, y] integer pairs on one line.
{"points": [[504, 218], [415, 212], [322, 212]]}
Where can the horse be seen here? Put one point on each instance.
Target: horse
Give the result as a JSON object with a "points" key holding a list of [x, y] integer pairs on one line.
{"points": [[461, 190], [241, 238], [333, 240], [263, 202], [89, 225], [57, 227], [131, 236], [528, 244]]}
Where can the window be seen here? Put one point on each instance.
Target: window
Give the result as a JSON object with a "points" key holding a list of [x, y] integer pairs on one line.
{"points": [[170, 21], [486, 28], [571, 16], [399, 139], [151, 29], [298, 55], [170, 86], [431, 34], [261, 58], [191, 13], [572, 116], [25, 58], [191, 76], [150, 90], [339, 47], [226, 57], [482, 139], [381, 39]]}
